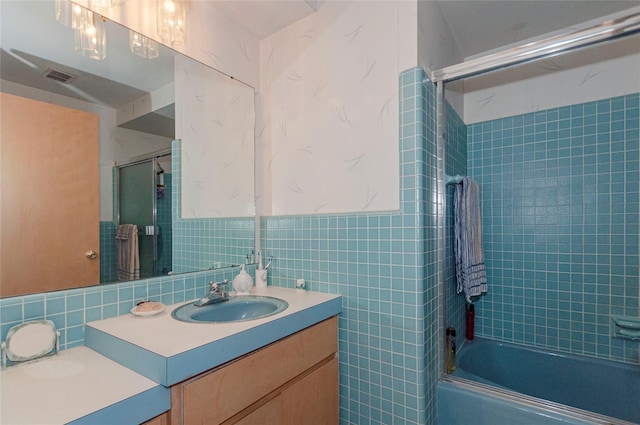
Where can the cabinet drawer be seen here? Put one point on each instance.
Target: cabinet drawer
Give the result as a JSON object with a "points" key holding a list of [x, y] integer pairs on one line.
{"points": [[217, 395]]}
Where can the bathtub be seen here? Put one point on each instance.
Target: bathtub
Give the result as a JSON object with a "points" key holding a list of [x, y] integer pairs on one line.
{"points": [[606, 388]]}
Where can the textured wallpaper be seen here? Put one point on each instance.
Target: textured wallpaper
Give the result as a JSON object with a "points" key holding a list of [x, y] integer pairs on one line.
{"points": [[554, 82], [329, 85], [215, 121]]}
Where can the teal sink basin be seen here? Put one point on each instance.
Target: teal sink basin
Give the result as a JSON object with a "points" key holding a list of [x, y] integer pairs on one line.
{"points": [[236, 309]]}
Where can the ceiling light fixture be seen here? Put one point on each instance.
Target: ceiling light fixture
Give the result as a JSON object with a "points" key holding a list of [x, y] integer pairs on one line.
{"points": [[90, 35], [143, 46], [80, 17], [71, 15], [171, 15], [74, 16], [63, 12], [102, 6]]}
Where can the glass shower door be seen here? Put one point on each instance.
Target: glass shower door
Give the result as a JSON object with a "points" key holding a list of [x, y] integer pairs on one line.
{"points": [[136, 204]]}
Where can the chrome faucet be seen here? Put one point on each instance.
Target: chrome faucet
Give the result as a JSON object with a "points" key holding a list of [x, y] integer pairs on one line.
{"points": [[216, 294]]}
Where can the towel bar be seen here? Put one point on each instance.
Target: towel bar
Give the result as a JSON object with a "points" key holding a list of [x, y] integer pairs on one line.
{"points": [[457, 179]]}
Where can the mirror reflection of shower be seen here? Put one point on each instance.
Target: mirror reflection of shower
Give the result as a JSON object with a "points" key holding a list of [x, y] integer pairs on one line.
{"points": [[143, 200]]}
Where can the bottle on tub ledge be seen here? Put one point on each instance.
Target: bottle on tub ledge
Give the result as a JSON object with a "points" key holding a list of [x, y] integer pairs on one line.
{"points": [[471, 314], [450, 351]]}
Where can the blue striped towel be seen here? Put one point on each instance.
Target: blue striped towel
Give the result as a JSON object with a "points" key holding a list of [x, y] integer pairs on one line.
{"points": [[471, 273]]}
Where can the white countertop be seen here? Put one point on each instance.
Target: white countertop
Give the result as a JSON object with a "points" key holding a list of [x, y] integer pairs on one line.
{"points": [[167, 350], [74, 385], [166, 336]]}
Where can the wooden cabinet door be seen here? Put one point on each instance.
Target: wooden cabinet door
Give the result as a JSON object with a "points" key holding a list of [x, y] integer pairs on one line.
{"points": [[313, 399], [269, 413], [49, 197], [163, 419]]}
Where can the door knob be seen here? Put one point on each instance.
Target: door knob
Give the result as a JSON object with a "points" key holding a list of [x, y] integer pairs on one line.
{"points": [[91, 255]]}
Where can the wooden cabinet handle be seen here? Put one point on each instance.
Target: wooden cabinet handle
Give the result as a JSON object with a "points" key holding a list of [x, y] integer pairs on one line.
{"points": [[91, 255]]}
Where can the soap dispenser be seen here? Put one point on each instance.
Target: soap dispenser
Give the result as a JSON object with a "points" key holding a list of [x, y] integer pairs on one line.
{"points": [[243, 282]]}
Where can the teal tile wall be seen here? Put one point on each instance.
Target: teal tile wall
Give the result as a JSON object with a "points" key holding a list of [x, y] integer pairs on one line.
{"points": [[428, 209], [455, 163], [561, 216], [108, 266], [200, 244], [70, 309], [379, 263]]}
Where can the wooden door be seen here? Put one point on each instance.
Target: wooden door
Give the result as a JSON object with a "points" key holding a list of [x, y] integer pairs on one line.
{"points": [[49, 197]]}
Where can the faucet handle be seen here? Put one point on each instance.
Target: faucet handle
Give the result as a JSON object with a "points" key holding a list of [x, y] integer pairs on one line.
{"points": [[215, 287]]}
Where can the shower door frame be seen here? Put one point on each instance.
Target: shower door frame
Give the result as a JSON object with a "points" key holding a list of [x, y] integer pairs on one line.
{"points": [[612, 27], [153, 157]]}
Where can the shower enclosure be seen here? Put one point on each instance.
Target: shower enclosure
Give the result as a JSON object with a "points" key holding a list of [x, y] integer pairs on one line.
{"points": [[550, 133], [143, 198]]}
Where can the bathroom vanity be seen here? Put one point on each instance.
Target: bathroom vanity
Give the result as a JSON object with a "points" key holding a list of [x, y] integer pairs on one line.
{"points": [[158, 370], [293, 381]]}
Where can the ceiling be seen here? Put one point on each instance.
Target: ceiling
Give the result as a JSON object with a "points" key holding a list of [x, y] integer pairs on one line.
{"points": [[261, 18], [477, 25], [122, 77], [480, 26]]}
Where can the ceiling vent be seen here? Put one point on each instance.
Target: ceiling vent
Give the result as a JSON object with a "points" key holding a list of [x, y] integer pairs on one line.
{"points": [[60, 76]]}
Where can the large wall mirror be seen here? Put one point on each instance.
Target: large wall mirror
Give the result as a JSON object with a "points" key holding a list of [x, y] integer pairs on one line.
{"points": [[87, 145]]}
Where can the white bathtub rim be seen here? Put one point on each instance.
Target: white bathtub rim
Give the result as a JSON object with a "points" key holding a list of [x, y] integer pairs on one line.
{"points": [[534, 402]]}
